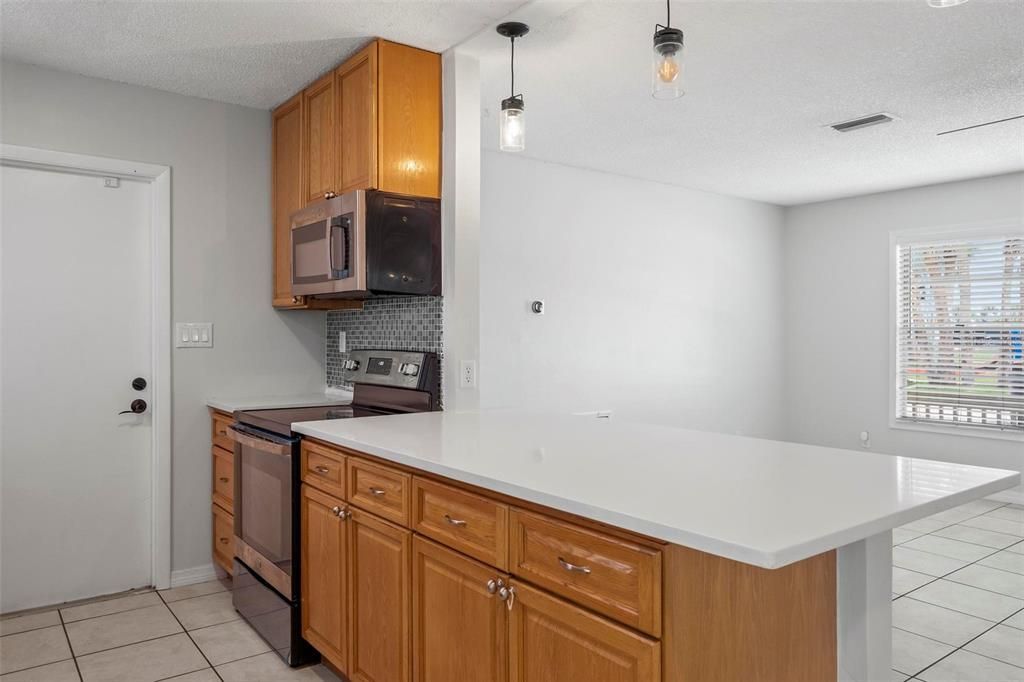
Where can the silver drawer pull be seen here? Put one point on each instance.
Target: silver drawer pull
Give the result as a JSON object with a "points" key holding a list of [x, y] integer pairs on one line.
{"points": [[224, 479], [454, 522], [377, 491], [322, 470], [585, 570]]}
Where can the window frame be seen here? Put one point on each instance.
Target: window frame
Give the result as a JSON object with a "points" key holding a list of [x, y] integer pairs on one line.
{"points": [[979, 230]]}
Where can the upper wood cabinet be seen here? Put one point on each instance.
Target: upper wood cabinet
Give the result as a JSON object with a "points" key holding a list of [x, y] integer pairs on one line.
{"points": [[372, 123], [318, 147]]}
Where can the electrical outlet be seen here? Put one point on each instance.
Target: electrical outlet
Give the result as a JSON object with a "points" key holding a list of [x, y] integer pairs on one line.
{"points": [[467, 374], [341, 342]]}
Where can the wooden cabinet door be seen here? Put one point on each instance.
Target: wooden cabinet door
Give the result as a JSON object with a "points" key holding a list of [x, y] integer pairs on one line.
{"points": [[380, 586], [287, 193], [324, 574], [552, 640], [409, 120], [356, 87], [459, 629], [319, 138]]}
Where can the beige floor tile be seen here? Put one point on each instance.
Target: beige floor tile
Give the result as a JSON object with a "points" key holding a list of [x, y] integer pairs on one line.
{"points": [[65, 671], [1016, 620], [104, 608], [1005, 561], [982, 506], [970, 600], [924, 562], [904, 581], [10, 626], [229, 642], [897, 676], [32, 648], [966, 666], [912, 653], [901, 535], [269, 666], [1016, 549], [206, 675], [196, 590], [926, 525], [992, 579], [199, 612], [1010, 512], [143, 662], [935, 622], [977, 536], [119, 629], [1008, 526], [964, 551], [1002, 643]]}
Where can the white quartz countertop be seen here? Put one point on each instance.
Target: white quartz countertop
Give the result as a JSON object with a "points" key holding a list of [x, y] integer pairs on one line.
{"points": [[270, 402], [767, 503]]}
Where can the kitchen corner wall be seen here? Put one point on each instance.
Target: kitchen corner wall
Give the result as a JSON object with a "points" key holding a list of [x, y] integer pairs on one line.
{"points": [[392, 323]]}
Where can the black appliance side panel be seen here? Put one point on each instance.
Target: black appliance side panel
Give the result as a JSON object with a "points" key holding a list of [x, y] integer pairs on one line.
{"points": [[403, 244]]}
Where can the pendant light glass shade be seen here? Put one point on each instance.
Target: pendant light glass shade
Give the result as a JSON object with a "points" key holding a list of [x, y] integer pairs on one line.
{"points": [[667, 64], [513, 125]]}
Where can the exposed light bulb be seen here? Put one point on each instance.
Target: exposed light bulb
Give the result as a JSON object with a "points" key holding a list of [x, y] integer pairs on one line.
{"points": [[668, 69], [513, 125], [668, 64]]}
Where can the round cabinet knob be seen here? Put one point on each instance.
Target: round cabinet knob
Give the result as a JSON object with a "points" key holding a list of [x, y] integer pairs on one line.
{"points": [[139, 384]]}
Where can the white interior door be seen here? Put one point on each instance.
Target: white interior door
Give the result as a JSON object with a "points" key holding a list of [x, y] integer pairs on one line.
{"points": [[75, 476]]}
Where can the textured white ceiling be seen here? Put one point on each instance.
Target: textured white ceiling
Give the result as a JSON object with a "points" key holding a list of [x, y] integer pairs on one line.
{"points": [[256, 53], [762, 78]]}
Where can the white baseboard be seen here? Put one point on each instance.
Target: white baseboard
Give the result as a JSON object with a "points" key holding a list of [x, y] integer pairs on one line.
{"points": [[191, 576], [1013, 496]]}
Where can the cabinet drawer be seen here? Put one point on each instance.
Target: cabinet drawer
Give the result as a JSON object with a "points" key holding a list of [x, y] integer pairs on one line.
{"points": [[323, 468], [615, 577], [379, 489], [221, 422], [223, 538], [469, 523], [224, 478]]}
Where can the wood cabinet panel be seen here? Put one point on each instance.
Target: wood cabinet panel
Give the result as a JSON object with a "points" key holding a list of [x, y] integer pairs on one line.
{"points": [[224, 478], [380, 602], [324, 576], [318, 146], [356, 86], [381, 490], [287, 194], [323, 468], [460, 630], [223, 538], [220, 422], [470, 523], [552, 640], [409, 120], [617, 578]]}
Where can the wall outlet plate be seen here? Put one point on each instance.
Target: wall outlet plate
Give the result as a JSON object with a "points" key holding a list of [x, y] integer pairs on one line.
{"points": [[193, 335], [467, 374]]}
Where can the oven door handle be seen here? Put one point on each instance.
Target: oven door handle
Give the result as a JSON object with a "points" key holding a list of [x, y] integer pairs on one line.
{"points": [[245, 440]]}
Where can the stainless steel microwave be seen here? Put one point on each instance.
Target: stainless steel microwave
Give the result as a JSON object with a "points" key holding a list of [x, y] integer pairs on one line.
{"points": [[366, 243]]}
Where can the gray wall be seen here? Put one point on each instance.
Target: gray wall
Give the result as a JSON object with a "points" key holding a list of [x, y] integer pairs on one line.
{"points": [[221, 253], [837, 315]]}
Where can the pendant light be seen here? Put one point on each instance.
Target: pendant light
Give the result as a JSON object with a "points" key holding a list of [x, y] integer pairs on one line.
{"points": [[945, 3], [667, 72], [513, 122]]}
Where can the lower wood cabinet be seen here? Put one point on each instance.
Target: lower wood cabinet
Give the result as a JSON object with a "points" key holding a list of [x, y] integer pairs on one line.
{"points": [[223, 538], [459, 628], [551, 640], [380, 587], [324, 575]]}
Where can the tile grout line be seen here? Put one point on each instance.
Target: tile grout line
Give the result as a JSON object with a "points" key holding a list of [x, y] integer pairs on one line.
{"points": [[980, 634], [71, 649], [189, 635]]}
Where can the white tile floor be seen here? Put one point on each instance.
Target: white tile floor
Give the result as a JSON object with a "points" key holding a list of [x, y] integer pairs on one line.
{"points": [[958, 596], [958, 614], [188, 634]]}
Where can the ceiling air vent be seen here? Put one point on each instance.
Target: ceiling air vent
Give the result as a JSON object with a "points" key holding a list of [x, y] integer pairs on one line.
{"points": [[862, 122]]}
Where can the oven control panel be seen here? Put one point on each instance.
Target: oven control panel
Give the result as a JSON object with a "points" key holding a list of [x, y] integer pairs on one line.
{"points": [[403, 369]]}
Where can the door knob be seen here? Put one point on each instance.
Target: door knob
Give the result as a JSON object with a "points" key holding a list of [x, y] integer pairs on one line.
{"points": [[139, 384], [138, 406]]}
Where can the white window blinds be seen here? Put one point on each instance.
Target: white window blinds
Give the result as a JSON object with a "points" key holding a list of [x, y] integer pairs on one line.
{"points": [[960, 319]]}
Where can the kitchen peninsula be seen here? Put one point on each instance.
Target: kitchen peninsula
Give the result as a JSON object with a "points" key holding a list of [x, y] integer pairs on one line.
{"points": [[634, 551]]}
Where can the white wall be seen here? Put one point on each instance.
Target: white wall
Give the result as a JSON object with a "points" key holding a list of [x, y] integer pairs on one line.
{"points": [[221, 257], [663, 304], [837, 315]]}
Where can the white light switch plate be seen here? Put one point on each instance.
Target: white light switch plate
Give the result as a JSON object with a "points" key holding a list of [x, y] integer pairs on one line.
{"points": [[193, 335]]}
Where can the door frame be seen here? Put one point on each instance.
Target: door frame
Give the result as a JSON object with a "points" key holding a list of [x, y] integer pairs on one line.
{"points": [[159, 178]]}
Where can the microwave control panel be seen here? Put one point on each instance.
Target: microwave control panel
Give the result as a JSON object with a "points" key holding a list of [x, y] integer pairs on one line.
{"points": [[403, 369]]}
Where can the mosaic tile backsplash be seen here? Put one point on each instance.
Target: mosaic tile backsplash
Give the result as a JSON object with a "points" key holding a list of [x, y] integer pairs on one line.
{"points": [[391, 323]]}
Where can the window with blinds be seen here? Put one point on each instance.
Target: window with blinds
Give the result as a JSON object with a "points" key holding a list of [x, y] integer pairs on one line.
{"points": [[959, 321]]}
